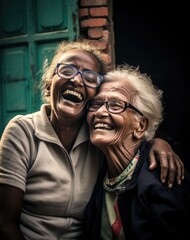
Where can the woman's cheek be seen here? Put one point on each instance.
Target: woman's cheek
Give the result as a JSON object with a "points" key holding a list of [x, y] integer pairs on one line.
{"points": [[89, 118], [91, 93]]}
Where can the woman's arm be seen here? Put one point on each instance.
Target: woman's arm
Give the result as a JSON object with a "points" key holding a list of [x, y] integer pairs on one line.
{"points": [[10, 210], [14, 164], [171, 165]]}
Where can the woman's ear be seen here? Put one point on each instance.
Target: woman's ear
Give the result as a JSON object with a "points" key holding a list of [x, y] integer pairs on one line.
{"points": [[140, 130], [47, 90]]}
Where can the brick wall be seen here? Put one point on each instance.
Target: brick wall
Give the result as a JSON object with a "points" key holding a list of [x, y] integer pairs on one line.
{"points": [[95, 18]]}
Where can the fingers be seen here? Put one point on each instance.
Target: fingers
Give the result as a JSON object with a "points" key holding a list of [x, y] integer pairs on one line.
{"points": [[172, 168], [165, 168], [152, 160], [161, 157], [180, 169]]}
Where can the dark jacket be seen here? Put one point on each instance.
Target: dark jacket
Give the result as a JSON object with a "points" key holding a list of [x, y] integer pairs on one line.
{"points": [[149, 210]]}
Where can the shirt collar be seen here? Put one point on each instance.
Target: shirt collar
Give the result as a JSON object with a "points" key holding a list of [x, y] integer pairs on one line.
{"points": [[44, 130]]}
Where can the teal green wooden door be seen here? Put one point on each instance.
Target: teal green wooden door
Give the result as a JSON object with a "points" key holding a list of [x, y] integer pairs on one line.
{"points": [[29, 32]]}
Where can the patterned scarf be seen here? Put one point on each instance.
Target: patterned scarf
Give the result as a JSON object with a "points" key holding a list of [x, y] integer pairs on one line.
{"points": [[112, 228]]}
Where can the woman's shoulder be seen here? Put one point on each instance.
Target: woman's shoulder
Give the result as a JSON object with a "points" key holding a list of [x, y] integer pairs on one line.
{"points": [[22, 120], [20, 126]]}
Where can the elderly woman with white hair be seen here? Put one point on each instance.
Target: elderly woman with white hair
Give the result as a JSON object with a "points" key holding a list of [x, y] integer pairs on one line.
{"points": [[130, 202]]}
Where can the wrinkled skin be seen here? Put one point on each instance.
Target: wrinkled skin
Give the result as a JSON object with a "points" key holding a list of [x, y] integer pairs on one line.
{"points": [[114, 134]]}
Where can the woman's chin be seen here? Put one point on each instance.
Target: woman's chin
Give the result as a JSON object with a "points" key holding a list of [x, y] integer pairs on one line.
{"points": [[99, 140]]}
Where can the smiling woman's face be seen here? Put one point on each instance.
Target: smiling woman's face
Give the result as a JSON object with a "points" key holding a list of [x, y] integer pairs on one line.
{"points": [[68, 97], [108, 128]]}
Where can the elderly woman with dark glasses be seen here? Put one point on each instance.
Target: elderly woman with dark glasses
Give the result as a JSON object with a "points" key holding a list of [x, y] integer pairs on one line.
{"points": [[48, 167], [130, 202]]}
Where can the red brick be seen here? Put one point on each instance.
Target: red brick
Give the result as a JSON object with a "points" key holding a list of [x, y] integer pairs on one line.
{"points": [[95, 32], [83, 12], [98, 12], [94, 22]]}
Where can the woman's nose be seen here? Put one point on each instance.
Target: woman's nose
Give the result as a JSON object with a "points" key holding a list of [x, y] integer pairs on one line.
{"points": [[77, 80], [102, 111]]}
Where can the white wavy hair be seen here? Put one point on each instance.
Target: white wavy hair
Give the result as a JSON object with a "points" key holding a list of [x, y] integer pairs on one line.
{"points": [[146, 97]]}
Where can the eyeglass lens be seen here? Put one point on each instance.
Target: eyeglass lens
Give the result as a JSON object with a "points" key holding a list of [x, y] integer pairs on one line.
{"points": [[112, 106], [90, 78]]}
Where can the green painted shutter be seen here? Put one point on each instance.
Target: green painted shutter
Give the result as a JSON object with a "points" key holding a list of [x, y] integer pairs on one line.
{"points": [[29, 32]]}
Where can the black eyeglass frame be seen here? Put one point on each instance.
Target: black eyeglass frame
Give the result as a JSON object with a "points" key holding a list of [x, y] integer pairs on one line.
{"points": [[127, 105], [77, 71]]}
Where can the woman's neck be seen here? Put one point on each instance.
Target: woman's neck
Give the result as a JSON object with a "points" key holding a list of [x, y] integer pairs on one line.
{"points": [[120, 155], [66, 131]]}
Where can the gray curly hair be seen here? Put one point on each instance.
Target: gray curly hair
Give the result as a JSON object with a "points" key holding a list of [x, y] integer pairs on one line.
{"points": [[145, 96]]}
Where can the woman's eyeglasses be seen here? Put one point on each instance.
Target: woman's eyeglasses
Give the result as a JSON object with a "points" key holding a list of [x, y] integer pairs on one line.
{"points": [[113, 106], [68, 71]]}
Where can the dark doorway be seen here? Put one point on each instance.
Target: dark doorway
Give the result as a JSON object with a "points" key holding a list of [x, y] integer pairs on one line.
{"points": [[154, 37]]}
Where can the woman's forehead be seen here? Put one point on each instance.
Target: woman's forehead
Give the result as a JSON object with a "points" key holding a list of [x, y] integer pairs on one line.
{"points": [[80, 58], [78, 54], [115, 88], [115, 85]]}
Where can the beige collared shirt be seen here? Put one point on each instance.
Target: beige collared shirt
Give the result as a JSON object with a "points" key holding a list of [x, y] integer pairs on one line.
{"points": [[56, 185]]}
